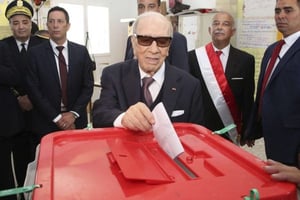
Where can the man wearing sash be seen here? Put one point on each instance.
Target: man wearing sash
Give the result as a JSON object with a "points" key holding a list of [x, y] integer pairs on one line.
{"points": [[227, 77]]}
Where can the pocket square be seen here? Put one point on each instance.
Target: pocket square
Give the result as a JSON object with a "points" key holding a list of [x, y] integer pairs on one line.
{"points": [[237, 78], [177, 113]]}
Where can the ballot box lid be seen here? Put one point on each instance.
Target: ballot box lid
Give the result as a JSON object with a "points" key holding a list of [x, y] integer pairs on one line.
{"points": [[113, 163]]}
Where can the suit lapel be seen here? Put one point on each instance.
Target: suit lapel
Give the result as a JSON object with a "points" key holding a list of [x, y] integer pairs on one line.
{"points": [[71, 57], [231, 64], [170, 89], [50, 61], [14, 46], [131, 81], [31, 42], [72, 63], [287, 57], [132, 85]]}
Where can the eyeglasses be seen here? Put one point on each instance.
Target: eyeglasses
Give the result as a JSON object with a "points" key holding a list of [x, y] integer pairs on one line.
{"points": [[147, 40]]}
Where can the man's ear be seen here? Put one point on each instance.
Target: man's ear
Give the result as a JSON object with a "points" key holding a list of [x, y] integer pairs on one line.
{"points": [[233, 31], [209, 30], [133, 44]]}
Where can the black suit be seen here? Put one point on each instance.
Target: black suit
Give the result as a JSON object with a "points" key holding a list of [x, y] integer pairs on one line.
{"points": [[21, 63], [240, 76], [24, 150], [45, 89], [121, 88], [11, 119], [178, 54]]}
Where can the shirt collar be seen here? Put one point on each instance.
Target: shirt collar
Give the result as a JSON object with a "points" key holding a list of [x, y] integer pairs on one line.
{"points": [[159, 76], [54, 45], [19, 43], [291, 39], [225, 50]]}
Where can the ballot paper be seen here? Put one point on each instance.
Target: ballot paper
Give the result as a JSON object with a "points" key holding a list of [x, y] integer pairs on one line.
{"points": [[165, 133]]}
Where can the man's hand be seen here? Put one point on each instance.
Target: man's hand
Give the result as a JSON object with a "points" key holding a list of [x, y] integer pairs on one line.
{"points": [[138, 117], [250, 143], [25, 103], [281, 172], [67, 122]]}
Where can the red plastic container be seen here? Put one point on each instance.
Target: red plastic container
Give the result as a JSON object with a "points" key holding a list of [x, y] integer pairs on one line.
{"points": [[115, 164]]}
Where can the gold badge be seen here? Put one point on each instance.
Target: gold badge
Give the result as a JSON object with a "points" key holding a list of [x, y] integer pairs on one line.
{"points": [[19, 3]]}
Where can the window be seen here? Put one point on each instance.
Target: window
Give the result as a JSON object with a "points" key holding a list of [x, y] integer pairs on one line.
{"points": [[77, 30], [96, 27]]}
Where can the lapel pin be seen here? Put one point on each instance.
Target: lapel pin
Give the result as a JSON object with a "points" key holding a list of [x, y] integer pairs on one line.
{"points": [[174, 89]]}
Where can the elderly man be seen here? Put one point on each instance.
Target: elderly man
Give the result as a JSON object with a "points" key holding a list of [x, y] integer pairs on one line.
{"points": [[227, 74], [124, 103], [178, 55]]}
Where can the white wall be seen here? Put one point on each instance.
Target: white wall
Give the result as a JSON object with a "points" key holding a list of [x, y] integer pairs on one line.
{"points": [[120, 9]]}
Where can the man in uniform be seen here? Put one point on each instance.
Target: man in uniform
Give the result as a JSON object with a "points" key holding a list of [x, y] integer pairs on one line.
{"points": [[19, 14]]}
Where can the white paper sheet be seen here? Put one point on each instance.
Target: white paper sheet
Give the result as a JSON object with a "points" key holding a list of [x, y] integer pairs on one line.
{"points": [[165, 133]]}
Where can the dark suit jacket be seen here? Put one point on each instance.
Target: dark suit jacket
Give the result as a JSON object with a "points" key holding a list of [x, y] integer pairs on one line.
{"points": [[19, 61], [280, 111], [44, 85], [11, 120], [121, 88], [178, 54], [240, 76]]}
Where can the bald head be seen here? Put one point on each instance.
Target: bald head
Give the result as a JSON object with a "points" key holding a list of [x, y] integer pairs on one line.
{"points": [[153, 19], [152, 33]]}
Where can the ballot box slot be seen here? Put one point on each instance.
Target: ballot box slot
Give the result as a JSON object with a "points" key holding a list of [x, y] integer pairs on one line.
{"points": [[186, 169]]}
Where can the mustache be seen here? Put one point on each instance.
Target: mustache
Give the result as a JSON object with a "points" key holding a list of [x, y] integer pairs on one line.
{"points": [[218, 32]]}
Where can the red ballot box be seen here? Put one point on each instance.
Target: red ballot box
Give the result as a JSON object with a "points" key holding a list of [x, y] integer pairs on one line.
{"points": [[114, 164]]}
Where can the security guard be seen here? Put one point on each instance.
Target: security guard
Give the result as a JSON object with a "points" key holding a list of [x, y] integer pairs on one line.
{"points": [[19, 14]]}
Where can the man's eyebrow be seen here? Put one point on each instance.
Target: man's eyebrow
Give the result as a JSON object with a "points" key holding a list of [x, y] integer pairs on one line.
{"points": [[284, 8]]}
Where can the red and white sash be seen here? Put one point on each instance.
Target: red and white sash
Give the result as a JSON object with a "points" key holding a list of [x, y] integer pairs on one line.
{"points": [[219, 89]]}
